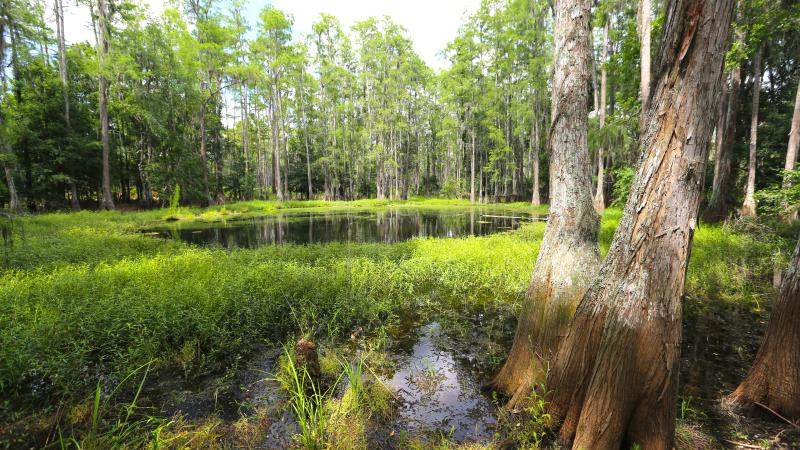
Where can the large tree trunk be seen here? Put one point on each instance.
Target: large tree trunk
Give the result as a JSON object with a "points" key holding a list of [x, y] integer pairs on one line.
{"points": [[749, 205], [107, 201], [599, 196], [791, 151], [568, 256], [614, 380], [644, 56], [720, 202], [774, 378]]}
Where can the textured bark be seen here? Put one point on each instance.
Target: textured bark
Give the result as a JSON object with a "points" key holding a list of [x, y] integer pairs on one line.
{"points": [[774, 378], [568, 256], [749, 205], [599, 196], [107, 201], [645, 9], [614, 379], [791, 150]]}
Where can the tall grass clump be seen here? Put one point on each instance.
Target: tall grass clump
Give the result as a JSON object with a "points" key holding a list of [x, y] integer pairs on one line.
{"points": [[309, 403]]}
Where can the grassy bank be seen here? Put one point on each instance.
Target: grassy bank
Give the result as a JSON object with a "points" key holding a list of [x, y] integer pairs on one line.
{"points": [[86, 299]]}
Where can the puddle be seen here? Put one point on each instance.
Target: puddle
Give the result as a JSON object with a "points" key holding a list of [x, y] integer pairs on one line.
{"points": [[439, 394], [436, 382]]}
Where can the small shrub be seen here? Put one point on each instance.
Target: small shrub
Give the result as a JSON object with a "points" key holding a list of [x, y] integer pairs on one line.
{"points": [[623, 181]]}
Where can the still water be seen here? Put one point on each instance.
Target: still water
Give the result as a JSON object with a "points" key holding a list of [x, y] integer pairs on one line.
{"points": [[387, 226]]}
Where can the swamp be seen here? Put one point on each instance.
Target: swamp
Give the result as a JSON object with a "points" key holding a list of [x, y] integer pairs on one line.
{"points": [[172, 341], [379, 224]]}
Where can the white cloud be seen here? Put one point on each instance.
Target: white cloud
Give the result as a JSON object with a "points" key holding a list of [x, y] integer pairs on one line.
{"points": [[431, 24]]}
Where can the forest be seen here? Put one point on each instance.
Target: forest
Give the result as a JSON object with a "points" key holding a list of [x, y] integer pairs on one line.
{"points": [[225, 229]]}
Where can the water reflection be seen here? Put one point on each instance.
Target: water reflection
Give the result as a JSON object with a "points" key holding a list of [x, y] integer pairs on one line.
{"points": [[388, 226], [439, 394]]}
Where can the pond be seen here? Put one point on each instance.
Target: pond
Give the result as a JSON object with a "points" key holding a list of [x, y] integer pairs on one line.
{"points": [[386, 226]]}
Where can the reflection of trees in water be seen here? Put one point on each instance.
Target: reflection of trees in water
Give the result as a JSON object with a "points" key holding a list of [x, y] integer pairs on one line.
{"points": [[388, 226]]}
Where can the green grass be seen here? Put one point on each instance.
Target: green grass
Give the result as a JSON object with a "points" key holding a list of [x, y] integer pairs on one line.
{"points": [[85, 297]]}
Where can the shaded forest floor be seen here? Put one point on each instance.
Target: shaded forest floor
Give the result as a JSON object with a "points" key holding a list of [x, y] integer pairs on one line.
{"points": [[110, 338]]}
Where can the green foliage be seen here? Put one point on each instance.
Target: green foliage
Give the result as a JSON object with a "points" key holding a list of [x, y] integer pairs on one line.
{"points": [[451, 189], [781, 199], [623, 181]]}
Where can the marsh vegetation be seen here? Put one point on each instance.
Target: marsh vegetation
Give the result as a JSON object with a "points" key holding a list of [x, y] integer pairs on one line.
{"points": [[576, 227], [112, 337]]}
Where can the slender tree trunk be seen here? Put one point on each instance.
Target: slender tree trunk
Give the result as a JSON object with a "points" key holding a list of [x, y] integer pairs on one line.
{"points": [[62, 56], [13, 203], [614, 380], [276, 143], [285, 141], [58, 8], [599, 196], [774, 378], [722, 185], [246, 137], [568, 256], [301, 95], [791, 152], [203, 155], [645, 10], [535, 197], [721, 200], [749, 205], [472, 170], [107, 201]]}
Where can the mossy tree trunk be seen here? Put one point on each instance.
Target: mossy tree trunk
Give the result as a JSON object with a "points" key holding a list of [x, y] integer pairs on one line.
{"points": [[568, 256], [774, 379], [614, 379]]}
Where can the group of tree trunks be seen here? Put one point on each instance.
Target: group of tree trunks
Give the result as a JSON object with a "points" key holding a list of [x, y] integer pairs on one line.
{"points": [[605, 344]]}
